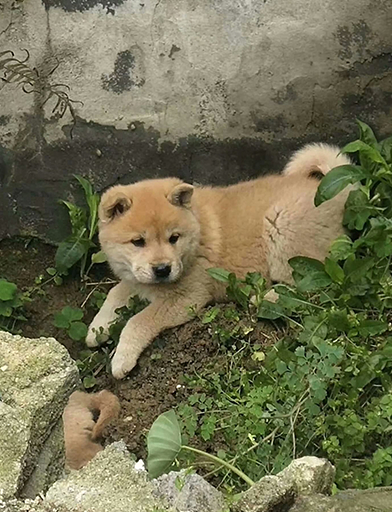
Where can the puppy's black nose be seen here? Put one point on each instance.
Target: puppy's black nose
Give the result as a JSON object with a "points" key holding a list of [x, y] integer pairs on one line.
{"points": [[162, 271]]}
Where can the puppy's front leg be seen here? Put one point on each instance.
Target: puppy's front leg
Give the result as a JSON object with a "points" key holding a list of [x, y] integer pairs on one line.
{"points": [[141, 329], [117, 297]]}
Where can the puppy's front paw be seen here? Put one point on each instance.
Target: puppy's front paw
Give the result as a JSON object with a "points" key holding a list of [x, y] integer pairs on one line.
{"points": [[123, 362], [96, 335]]}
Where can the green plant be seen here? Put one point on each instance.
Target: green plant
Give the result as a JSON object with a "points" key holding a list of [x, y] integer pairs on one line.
{"points": [[325, 387], [164, 443], [70, 319], [77, 248], [11, 306]]}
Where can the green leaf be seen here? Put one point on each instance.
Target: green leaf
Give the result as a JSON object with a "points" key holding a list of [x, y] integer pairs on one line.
{"points": [[303, 265], [98, 257], [372, 327], [5, 309], [358, 210], [334, 270], [89, 381], [7, 290], [341, 248], [77, 331], [219, 274], [61, 321], [163, 443], [72, 314], [356, 269], [270, 310], [386, 149], [51, 271], [314, 281], [336, 181], [371, 153], [366, 134], [92, 200], [70, 252]]}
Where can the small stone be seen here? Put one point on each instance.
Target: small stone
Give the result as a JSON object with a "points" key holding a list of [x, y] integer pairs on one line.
{"points": [[310, 475], [98, 152], [189, 493], [133, 127]]}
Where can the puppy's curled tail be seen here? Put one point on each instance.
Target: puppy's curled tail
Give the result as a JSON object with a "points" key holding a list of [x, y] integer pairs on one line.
{"points": [[315, 160], [108, 406]]}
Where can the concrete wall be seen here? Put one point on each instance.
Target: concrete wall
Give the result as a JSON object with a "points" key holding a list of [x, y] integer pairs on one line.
{"points": [[210, 90]]}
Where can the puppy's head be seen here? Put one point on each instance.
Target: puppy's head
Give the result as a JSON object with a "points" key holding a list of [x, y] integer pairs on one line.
{"points": [[148, 230]]}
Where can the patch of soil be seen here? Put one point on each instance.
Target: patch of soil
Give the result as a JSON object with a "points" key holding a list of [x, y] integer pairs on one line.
{"points": [[156, 384]]}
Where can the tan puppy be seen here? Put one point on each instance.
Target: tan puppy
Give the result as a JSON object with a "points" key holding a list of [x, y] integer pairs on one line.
{"points": [[80, 429], [161, 235]]}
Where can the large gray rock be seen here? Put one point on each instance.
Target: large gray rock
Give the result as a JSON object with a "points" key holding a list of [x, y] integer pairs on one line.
{"points": [[36, 379], [307, 475], [211, 91], [372, 500], [189, 493], [108, 483]]}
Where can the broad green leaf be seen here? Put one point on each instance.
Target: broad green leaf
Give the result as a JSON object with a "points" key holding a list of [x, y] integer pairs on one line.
{"points": [[358, 210], [372, 327], [98, 257], [366, 134], [77, 331], [163, 443], [51, 271], [72, 314], [7, 290], [314, 281], [61, 321], [373, 154], [336, 181], [219, 274], [341, 248], [334, 270], [356, 269], [386, 149], [5, 309], [303, 265], [270, 310], [70, 252], [89, 381]]}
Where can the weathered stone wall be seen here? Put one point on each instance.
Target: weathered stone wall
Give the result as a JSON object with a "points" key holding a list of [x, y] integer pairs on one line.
{"points": [[210, 90]]}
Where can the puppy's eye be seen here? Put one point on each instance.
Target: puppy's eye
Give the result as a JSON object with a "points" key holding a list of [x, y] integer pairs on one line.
{"points": [[139, 242], [174, 238]]}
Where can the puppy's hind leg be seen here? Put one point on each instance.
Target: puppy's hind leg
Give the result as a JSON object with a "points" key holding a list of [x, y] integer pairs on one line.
{"points": [[117, 297]]}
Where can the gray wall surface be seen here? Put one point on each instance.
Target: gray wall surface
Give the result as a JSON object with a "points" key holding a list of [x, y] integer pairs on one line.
{"points": [[212, 91]]}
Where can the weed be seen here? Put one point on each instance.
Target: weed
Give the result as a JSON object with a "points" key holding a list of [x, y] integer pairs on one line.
{"points": [[78, 246], [325, 387], [70, 319], [33, 80], [11, 306]]}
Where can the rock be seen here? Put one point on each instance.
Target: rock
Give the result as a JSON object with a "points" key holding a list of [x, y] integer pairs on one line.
{"points": [[189, 493], [270, 494], [50, 464], [303, 476], [310, 475], [108, 483], [36, 379], [372, 500]]}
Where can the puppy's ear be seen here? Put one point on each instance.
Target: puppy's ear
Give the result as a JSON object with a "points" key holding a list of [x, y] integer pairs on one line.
{"points": [[181, 195], [114, 203]]}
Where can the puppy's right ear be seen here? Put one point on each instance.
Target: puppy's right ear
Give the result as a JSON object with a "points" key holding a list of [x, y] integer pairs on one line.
{"points": [[114, 203]]}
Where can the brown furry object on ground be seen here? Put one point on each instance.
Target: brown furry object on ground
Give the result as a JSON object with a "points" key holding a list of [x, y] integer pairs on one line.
{"points": [[80, 430]]}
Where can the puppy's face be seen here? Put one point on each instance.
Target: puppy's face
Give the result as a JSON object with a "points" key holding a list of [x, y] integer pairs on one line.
{"points": [[148, 230]]}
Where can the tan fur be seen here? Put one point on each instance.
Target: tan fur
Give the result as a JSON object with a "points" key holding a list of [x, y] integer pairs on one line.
{"points": [[252, 226], [80, 429]]}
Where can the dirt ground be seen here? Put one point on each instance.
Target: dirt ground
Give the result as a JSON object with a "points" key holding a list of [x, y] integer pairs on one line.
{"points": [[154, 386]]}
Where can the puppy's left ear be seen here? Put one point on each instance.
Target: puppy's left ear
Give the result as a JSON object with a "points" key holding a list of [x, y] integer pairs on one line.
{"points": [[181, 195]]}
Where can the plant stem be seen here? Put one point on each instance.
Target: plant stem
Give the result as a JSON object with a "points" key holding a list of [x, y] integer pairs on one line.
{"points": [[222, 463]]}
